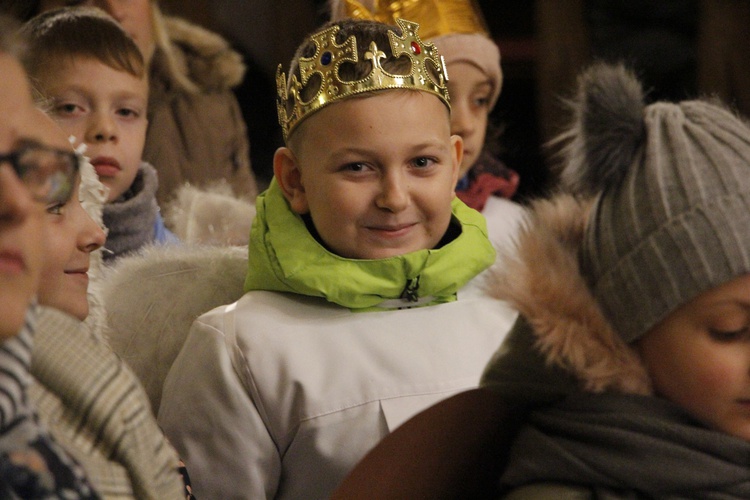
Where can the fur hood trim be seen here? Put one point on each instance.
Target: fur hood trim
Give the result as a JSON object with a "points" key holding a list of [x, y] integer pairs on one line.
{"points": [[210, 215], [204, 57], [152, 297], [543, 282]]}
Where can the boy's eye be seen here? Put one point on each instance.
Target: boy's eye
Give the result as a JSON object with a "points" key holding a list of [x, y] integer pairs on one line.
{"points": [[131, 113], [55, 208], [423, 162], [482, 102], [729, 335], [355, 167], [66, 108]]}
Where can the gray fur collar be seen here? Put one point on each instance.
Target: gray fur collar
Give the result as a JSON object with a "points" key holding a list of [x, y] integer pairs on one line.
{"points": [[542, 280]]}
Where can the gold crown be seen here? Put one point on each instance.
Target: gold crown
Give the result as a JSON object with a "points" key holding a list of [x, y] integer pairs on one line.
{"points": [[437, 17], [329, 56]]}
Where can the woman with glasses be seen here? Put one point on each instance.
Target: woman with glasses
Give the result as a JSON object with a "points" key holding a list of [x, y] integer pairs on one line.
{"points": [[32, 177], [74, 423]]}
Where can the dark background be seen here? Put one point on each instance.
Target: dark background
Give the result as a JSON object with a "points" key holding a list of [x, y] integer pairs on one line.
{"points": [[680, 48]]}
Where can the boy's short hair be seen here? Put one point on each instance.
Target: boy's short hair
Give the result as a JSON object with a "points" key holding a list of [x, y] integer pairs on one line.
{"points": [[365, 32], [72, 32]]}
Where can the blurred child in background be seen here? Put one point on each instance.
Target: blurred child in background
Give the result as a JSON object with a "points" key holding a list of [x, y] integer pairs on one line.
{"points": [[92, 78], [196, 132]]}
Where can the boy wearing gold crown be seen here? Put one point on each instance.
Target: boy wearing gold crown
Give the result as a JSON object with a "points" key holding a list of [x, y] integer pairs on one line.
{"points": [[458, 30], [362, 306]]}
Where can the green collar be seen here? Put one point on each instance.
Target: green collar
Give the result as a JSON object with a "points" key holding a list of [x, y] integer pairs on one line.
{"points": [[285, 257]]}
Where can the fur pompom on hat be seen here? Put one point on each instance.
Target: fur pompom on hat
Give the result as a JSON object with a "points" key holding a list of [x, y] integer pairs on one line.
{"points": [[607, 130], [672, 219]]}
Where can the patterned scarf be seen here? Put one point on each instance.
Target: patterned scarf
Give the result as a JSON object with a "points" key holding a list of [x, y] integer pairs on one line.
{"points": [[487, 177], [32, 465]]}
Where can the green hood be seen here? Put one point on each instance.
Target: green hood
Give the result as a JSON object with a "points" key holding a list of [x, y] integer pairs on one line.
{"points": [[285, 257]]}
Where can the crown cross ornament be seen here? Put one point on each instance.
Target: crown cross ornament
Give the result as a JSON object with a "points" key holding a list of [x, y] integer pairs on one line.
{"points": [[374, 56], [328, 58]]}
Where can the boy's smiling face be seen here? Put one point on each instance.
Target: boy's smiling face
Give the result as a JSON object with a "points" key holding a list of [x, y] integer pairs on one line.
{"points": [[71, 236], [106, 109], [376, 173]]}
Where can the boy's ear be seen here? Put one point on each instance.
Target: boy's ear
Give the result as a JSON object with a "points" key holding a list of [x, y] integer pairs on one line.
{"points": [[288, 175], [457, 144]]}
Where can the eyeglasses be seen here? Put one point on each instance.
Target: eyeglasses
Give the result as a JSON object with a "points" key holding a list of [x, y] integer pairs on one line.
{"points": [[48, 173]]}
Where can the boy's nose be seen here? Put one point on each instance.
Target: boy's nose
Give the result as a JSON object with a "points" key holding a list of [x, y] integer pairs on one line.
{"points": [[96, 238], [92, 236], [393, 195], [102, 130]]}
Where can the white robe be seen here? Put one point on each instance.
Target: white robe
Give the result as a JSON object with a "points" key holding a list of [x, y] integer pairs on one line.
{"points": [[279, 395]]}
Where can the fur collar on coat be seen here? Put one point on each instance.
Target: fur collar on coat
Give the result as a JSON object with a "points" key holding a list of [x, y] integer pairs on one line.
{"points": [[210, 215], [543, 282], [153, 297], [203, 56]]}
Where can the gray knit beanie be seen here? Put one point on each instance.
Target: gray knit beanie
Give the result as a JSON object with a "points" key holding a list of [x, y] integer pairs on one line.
{"points": [[673, 215]]}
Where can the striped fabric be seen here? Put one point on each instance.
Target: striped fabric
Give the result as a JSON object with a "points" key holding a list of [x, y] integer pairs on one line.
{"points": [[32, 465], [95, 407], [15, 359]]}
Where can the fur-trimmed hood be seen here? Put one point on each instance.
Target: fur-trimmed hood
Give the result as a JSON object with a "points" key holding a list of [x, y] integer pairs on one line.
{"points": [[152, 297], [204, 57], [212, 215], [541, 279]]}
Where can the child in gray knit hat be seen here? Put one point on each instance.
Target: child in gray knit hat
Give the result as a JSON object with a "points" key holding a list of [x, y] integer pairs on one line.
{"points": [[633, 347], [636, 292]]}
